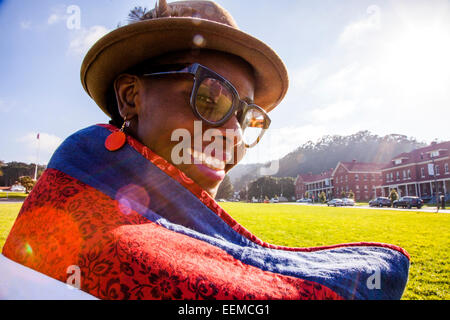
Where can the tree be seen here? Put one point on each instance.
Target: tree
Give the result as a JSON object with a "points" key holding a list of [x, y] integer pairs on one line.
{"points": [[351, 195], [393, 195], [2, 164], [27, 182], [270, 187], [286, 187], [225, 190], [243, 194], [343, 194], [323, 197], [12, 171]]}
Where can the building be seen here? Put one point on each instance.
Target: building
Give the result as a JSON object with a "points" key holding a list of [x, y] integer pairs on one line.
{"points": [[361, 178], [419, 173], [314, 184]]}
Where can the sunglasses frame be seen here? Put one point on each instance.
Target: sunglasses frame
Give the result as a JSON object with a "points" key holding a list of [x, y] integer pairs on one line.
{"points": [[239, 107]]}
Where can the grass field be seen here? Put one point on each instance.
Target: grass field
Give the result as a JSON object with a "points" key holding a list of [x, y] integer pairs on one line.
{"points": [[426, 236], [13, 195]]}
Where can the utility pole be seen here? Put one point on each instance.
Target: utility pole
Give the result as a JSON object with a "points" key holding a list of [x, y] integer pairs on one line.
{"points": [[436, 190], [37, 157], [436, 193]]}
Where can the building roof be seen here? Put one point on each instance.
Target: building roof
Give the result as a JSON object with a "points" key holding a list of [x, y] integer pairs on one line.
{"points": [[309, 178], [363, 166], [420, 155]]}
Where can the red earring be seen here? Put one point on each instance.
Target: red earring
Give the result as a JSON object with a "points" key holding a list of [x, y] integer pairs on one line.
{"points": [[116, 140]]}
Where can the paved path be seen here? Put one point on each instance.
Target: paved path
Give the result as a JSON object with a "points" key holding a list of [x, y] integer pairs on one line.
{"points": [[424, 209], [10, 201]]}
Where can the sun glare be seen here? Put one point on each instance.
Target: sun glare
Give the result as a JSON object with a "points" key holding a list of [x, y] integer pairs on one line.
{"points": [[417, 59]]}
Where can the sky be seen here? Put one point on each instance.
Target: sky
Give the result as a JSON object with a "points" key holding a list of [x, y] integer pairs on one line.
{"points": [[356, 65]]}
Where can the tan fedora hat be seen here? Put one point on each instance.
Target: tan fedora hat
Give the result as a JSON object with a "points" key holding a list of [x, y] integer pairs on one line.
{"points": [[181, 26]]}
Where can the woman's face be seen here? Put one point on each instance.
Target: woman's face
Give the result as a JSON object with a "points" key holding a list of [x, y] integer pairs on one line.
{"points": [[157, 107]]}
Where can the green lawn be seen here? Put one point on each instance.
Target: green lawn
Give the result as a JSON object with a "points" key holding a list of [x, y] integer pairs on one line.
{"points": [[13, 195], [8, 213], [426, 236]]}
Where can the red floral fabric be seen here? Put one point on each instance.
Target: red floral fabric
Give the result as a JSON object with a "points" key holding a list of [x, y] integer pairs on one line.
{"points": [[122, 255]]}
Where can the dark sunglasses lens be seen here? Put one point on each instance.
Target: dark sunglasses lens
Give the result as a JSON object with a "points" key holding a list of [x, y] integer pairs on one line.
{"points": [[253, 125], [214, 100]]}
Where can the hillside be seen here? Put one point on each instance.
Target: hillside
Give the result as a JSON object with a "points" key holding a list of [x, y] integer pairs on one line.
{"points": [[327, 152]]}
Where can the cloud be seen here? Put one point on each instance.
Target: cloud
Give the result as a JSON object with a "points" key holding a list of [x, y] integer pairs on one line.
{"points": [[383, 74], [6, 106], [84, 39], [47, 144], [355, 32], [58, 15], [55, 18], [26, 25]]}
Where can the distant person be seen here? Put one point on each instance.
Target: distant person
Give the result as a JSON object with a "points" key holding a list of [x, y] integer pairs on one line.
{"points": [[117, 208]]}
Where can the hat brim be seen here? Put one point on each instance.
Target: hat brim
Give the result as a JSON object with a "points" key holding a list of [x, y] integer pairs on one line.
{"points": [[130, 45]]}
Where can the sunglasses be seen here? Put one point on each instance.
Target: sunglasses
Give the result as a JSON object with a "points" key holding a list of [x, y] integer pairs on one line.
{"points": [[214, 100]]}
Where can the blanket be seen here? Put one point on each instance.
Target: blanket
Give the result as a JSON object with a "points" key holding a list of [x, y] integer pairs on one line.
{"points": [[136, 227]]}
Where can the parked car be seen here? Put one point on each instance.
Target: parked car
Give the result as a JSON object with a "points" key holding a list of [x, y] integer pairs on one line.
{"points": [[304, 201], [274, 200], [348, 202], [408, 202], [335, 203], [380, 202]]}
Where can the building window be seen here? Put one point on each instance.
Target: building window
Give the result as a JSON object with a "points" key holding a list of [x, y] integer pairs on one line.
{"points": [[446, 168], [346, 178], [409, 174], [356, 177], [365, 177], [422, 172], [387, 177], [398, 175], [437, 170], [357, 187], [404, 174]]}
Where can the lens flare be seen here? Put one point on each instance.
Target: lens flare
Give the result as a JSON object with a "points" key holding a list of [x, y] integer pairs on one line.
{"points": [[28, 249]]}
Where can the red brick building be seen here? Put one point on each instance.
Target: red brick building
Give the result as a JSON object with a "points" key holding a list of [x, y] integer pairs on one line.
{"points": [[314, 184], [413, 173], [360, 178]]}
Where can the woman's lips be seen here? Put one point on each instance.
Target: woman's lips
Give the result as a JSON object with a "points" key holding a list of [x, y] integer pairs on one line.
{"points": [[212, 162], [210, 166]]}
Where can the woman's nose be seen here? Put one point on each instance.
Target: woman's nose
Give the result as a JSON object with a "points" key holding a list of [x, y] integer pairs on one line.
{"points": [[232, 130]]}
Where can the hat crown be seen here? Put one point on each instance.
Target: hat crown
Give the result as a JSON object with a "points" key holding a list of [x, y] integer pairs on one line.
{"points": [[206, 10]]}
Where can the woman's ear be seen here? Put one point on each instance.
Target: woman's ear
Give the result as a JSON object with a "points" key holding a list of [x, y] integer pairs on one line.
{"points": [[126, 88]]}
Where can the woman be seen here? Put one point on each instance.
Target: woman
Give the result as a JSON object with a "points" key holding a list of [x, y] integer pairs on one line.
{"points": [[131, 210]]}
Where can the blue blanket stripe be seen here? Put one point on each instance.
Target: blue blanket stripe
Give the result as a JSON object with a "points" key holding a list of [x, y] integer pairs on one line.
{"points": [[128, 177]]}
